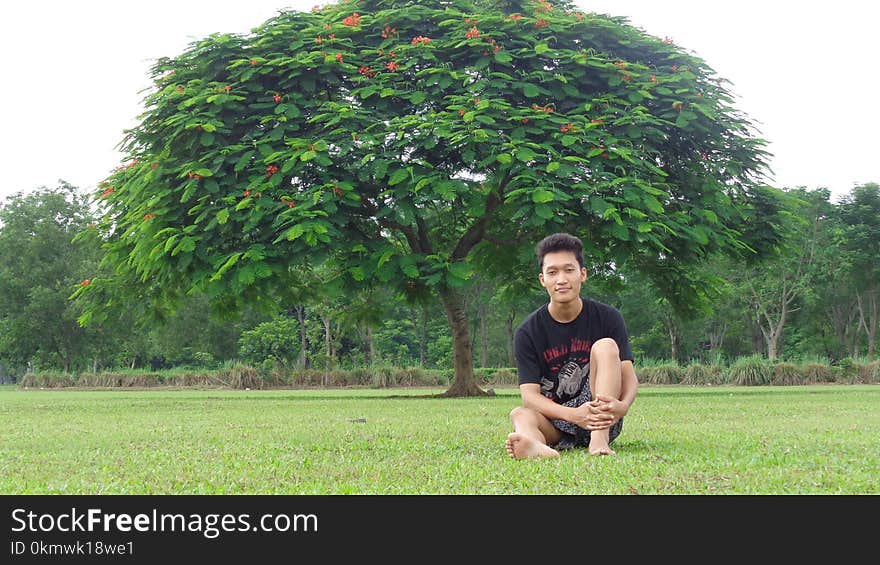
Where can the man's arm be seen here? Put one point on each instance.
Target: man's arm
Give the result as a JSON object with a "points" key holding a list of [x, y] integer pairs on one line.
{"points": [[532, 398]]}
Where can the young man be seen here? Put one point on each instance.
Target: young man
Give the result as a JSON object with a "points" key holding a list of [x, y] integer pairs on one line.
{"points": [[575, 365]]}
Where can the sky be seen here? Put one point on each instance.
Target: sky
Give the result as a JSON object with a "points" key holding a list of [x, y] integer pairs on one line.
{"points": [[74, 74]]}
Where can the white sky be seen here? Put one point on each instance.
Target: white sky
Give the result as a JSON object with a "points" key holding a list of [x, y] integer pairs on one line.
{"points": [[72, 74]]}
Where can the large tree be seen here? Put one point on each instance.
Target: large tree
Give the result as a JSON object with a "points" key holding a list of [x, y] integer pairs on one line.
{"points": [[39, 267], [859, 240], [406, 144]]}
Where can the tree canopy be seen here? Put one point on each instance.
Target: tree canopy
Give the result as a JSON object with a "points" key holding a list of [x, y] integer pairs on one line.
{"points": [[406, 144]]}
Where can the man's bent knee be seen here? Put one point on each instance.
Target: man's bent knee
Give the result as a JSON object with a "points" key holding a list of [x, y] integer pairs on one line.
{"points": [[605, 346], [521, 412]]}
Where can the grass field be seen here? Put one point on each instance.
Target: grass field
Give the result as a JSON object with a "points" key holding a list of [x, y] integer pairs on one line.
{"points": [[676, 440]]}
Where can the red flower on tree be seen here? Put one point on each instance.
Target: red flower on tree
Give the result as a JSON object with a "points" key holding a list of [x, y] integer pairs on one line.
{"points": [[149, 217], [85, 282], [271, 170], [277, 98], [421, 40], [392, 66], [107, 192], [472, 33], [352, 20]]}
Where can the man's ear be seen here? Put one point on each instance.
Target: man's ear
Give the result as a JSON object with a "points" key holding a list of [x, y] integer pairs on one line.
{"points": [[583, 274]]}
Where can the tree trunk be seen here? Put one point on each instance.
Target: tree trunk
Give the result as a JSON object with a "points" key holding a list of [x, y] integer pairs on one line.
{"points": [[371, 346], [672, 331], [423, 338], [869, 321], [464, 383], [484, 336], [872, 335], [511, 357], [302, 361]]}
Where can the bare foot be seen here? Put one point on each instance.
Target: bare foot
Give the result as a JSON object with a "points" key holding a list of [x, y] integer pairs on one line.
{"points": [[600, 448], [523, 447]]}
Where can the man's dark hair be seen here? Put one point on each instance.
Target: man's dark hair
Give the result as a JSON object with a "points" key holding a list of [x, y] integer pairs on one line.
{"points": [[560, 242]]}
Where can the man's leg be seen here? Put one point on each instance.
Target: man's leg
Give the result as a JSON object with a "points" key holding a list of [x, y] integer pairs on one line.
{"points": [[605, 379], [532, 432]]}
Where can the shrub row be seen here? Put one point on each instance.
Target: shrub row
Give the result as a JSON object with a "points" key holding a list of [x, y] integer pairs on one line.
{"points": [[247, 377], [755, 371], [748, 371]]}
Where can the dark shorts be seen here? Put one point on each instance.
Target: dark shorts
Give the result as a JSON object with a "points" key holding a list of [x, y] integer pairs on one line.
{"points": [[576, 436]]}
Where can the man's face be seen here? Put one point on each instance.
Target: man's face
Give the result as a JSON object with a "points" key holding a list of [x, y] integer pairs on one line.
{"points": [[562, 276]]}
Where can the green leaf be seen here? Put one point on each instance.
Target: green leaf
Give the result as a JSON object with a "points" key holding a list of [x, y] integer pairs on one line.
{"points": [[541, 196], [398, 176], [357, 273], [503, 57], [230, 262], [223, 216], [620, 232], [569, 140], [525, 154], [294, 232], [530, 90], [553, 166], [505, 158], [186, 245], [410, 270], [544, 211]]}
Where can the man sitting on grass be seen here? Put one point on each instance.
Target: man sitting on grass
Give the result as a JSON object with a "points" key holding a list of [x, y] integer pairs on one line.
{"points": [[574, 362]]}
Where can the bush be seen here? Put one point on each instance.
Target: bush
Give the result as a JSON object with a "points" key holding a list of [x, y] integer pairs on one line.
{"points": [[120, 379], [491, 376], [49, 379], [700, 374], [815, 373], [665, 374], [786, 374], [751, 371], [870, 373], [276, 340]]}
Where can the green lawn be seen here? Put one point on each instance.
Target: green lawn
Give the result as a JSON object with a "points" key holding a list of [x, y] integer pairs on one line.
{"points": [[677, 440]]}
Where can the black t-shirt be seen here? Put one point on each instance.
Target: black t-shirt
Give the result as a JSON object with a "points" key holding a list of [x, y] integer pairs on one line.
{"points": [[556, 355]]}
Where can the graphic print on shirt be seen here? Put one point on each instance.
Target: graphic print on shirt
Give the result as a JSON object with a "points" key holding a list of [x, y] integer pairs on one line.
{"points": [[569, 365]]}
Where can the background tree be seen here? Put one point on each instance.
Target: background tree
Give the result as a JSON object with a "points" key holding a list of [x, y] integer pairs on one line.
{"points": [[408, 144], [39, 268], [859, 214], [775, 287]]}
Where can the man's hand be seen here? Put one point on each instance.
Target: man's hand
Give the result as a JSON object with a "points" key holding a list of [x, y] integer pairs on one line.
{"points": [[610, 405], [593, 415]]}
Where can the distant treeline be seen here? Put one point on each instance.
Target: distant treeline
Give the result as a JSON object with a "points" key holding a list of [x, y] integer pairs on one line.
{"points": [[816, 299]]}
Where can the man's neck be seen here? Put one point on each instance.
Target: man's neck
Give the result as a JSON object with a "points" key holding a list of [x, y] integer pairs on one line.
{"points": [[567, 311]]}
